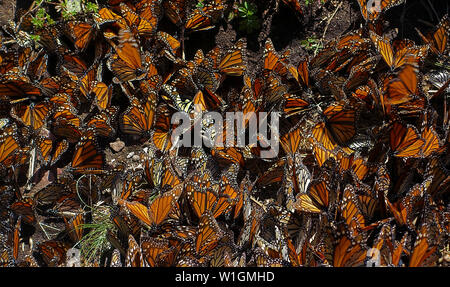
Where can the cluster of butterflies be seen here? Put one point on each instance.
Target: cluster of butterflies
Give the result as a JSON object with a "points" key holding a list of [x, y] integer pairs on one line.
{"points": [[362, 176]]}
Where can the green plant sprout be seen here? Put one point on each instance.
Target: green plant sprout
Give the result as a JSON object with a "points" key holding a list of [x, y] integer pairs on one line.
{"points": [[200, 4], [249, 21], [95, 242], [42, 18], [35, 38], [307, 2], [311, 44]]}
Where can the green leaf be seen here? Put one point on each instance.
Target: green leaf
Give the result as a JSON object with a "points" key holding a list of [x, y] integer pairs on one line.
{"points": [[35, 37]]}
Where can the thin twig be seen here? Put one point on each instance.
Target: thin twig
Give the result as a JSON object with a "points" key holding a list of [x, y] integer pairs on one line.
{"points": [[432, 8], [441, 89], [41, 224], [328, 24]]}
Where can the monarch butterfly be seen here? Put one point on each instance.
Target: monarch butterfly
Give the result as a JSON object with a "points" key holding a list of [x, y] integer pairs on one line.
{"points": [[51, 193], [193, 79], [127, 64], [179, 233], [138, 120], [338, 128], [139, 25], [245, 189], [360, 72], [82, 33], [175, 99], [357, 164], [152, 248], [134, 254], [7, 62], [163, 129], [61, 85], [158, 210], [65, 128], [171, 45], [45, 148], [175, 10], [274, 62], [368, 205], [106, 15], [53, 252], [149, 10], [228, 188], [67, 112], [365, 93], [431, 141], [439, 38], [301, 74], [296, 259], [117, 243], [232, 62], [294, 106], [49, 38], [321, 153], [403, 88], [291, 141], [5, 258], [115, 259], [353, 41], [274, 90], [86, 83], [101, 123], [74, 227], [87, 157], [169, 257], [252, 92], [203, 194], [317, 199], [8, 146], [154, 171], [205, 79], [406, 53], [130, 185], [261, 259], [253, 215], [208, 101], [340, 123], [301, 176], [16, 238], [126, 225], [218, 256], [403, 210], [441, 177], [75, 65], [405, 141], [33, 64], [348, 254], [273, 174], [208, 234], [424, 252], [204, 18], [395, 248], [350, 210], [33, 115], [67, 205], [19, 89], [374, 12]]}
